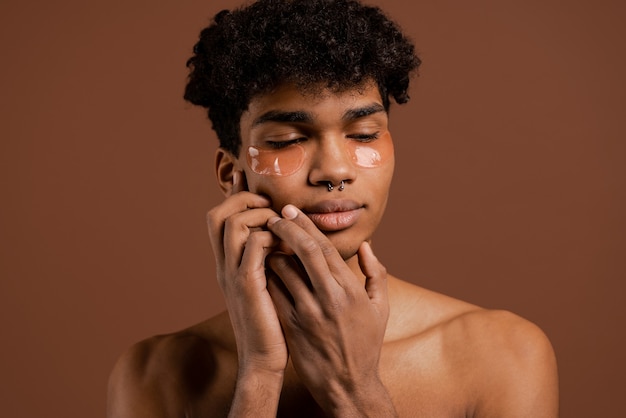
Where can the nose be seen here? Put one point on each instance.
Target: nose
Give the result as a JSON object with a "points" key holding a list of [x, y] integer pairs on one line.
{"points": [[331, 162]]}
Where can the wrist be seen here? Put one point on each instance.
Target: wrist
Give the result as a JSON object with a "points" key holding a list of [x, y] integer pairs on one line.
{"points": [[257, 393], [262, 375], [364, 400], [261, 367]]}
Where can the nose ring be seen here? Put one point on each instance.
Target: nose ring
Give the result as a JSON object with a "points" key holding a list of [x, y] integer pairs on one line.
{"points": [[331, 187]]}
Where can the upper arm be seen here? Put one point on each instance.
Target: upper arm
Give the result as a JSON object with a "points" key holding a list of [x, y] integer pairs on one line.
{"points": [[519, 377]]}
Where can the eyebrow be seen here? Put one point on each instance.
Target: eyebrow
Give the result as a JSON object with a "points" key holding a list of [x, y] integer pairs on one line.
{"points": [[299, 116], [282, 116], [362, 112]]}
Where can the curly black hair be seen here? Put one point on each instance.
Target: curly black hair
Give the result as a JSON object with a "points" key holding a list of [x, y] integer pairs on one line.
{"points": [[336, 44]]}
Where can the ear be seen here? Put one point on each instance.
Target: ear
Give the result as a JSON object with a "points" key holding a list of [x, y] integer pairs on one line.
{"points": [[225, 166]]}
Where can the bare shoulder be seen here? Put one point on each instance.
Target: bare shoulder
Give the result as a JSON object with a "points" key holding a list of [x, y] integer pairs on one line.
{"points": [[501, 338], [494, 362], [513, 365], [166, 375]]}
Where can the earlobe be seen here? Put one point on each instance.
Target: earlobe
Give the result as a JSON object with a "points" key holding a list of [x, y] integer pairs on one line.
{"points": [[225, 167]]}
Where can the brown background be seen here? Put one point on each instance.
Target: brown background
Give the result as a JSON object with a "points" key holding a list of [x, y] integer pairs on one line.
{"points": [[509, 191]]}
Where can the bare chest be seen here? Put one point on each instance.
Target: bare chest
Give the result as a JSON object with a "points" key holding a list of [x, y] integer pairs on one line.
{"points": [[418, 381]]}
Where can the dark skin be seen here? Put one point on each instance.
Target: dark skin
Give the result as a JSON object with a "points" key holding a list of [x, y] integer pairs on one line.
{"points": [[315, 326]]}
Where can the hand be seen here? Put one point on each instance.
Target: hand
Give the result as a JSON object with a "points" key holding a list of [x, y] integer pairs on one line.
{"points": [[334, 325], [240, 246]]}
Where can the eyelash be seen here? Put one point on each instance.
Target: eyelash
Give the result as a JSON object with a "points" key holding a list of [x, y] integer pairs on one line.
{"points": [[284, 144], [357, 137], [365, 137]]}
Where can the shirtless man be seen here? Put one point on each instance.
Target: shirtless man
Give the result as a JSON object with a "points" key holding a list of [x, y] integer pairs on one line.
{"points": [[298, 93]]}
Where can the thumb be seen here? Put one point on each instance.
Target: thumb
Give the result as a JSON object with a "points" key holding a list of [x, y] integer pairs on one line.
{"points": [[375, 275]]}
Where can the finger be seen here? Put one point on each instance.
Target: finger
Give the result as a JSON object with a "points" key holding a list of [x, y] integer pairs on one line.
{"points": [[329, 251], [309, 252], [375, 275], [217, 216], [283, 302], [314, 249], [237, 230], [298, 217], [238, 202], [292, 276], [257, 247]]}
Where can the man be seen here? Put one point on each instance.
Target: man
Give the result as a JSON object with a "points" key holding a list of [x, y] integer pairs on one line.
{"points": [[299, 93]]}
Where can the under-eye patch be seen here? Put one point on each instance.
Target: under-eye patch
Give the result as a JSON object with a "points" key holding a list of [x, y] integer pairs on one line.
{"points": [[371, 154], [276, 162]]}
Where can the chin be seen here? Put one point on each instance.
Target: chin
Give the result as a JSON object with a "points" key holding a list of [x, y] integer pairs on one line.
{"points": [[346, 248]]}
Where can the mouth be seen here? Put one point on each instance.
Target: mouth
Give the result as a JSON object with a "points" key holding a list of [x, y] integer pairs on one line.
{"points": [[334, 215]]}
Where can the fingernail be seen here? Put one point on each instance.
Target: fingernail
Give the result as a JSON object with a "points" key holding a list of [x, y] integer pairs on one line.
{"points": [[235, 178], [290, 212], [272, 220]]}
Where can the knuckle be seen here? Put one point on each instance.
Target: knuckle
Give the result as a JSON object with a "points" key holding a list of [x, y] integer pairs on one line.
{"points": [[334, 307], [309, 316], [210, 215], [255, 239], [259, 239], [279, 262], [327, 248], [213, 219], [333, 310], [381, 270], [243, 282], [233, 224], [308, 246]]}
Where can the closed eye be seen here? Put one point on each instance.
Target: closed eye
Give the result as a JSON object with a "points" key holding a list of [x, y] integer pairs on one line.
{"points": [[284, 144], [365, 137]]}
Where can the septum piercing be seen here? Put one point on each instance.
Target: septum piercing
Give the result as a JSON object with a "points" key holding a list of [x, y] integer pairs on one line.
{"points": [[331, 187]]}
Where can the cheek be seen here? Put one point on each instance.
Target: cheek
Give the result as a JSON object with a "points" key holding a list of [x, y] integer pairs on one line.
{"points": [[280, 188], [371, 154]]}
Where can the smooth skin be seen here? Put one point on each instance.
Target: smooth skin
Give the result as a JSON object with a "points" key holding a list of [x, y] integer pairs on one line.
{"points": [[315, 326]]}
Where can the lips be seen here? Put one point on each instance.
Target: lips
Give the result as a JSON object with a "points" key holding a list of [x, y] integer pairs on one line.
{"points": [[334, 215]]}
